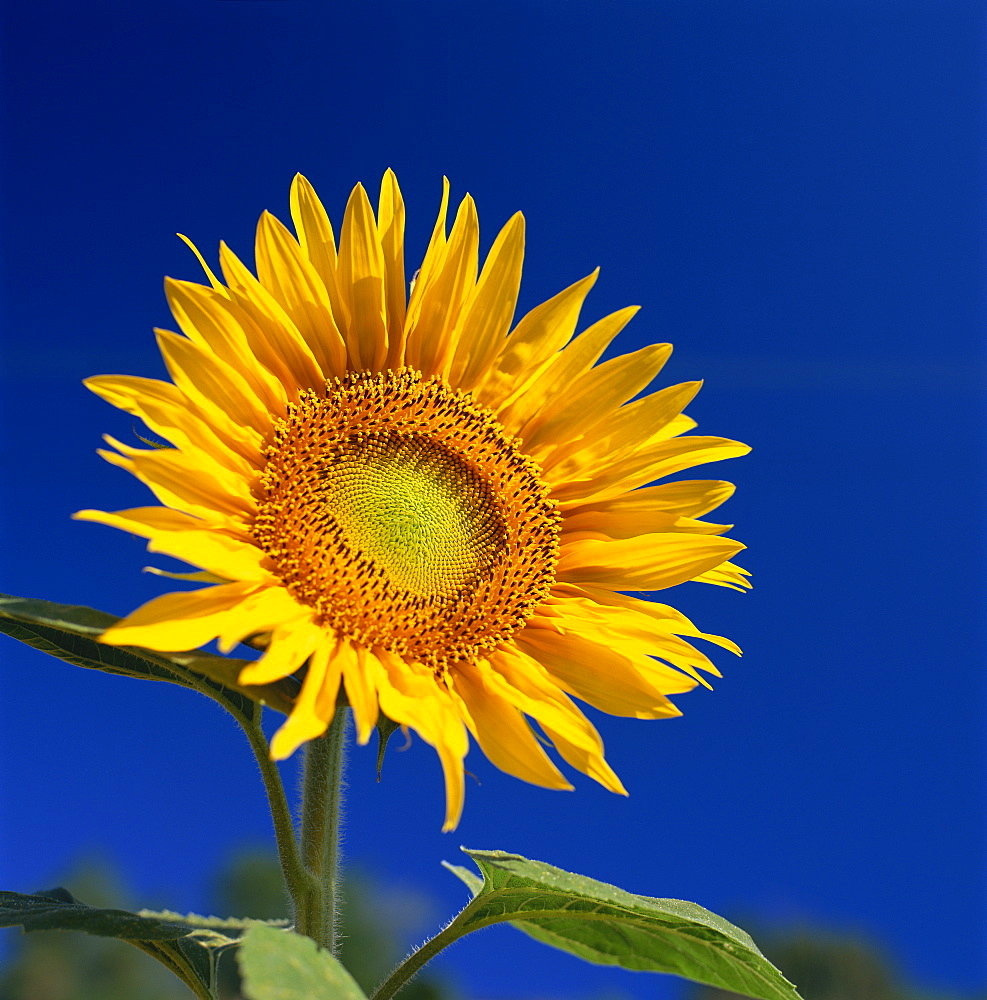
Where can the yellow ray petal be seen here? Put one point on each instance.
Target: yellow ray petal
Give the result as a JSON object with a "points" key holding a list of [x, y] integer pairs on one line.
{"points": [[358, 677], [539, 334], [687, 498], [593, 399], [360, 278], [431, 325], [663, 458], [647, 562], [207, 318], [213, 280], [179, 481], [564, 369], [315, 234], [487, 314], [214, 387], [276, 341], [433, 255], [290, 646], [264, 611], [414, 699], [664, 615], [593, 765], [180, 621], [305, 722], [605, 521], [528, 685], [169, 412], [608, 680], [289, 276], [200, 544], [727, 574], [628, 431], [626, 630], [390, 226], [501, 730]]}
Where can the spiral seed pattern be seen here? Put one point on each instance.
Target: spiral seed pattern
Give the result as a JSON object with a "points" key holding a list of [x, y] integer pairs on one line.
{"points": [[406, 517]]}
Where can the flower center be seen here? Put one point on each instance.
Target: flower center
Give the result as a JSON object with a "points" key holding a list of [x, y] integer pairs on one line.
{"points": [[406, 517]]}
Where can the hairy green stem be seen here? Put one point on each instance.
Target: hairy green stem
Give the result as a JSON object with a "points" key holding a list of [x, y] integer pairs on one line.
{"points": [[322, 785], [298, 880], [410, 966]]}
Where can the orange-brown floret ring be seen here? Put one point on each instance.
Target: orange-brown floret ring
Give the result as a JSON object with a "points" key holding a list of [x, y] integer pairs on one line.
{"points": [[406, 517]]}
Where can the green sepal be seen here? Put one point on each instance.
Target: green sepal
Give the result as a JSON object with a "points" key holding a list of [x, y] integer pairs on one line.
{"points": [[608, 926], [386, 728], [70, 633], [281, 965]]}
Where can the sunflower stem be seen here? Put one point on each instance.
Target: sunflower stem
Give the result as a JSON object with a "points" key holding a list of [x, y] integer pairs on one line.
{"points": [[317, 910], [297, 879]]}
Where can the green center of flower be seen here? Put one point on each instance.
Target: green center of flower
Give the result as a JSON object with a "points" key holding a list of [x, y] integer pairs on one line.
{"points": [[414, 510]]}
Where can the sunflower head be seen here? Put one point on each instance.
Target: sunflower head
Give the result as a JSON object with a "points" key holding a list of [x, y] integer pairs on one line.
{"points": [[434, 513]]}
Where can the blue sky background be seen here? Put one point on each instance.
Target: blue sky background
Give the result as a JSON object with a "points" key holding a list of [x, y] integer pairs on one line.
{"points": [[793, 192]]}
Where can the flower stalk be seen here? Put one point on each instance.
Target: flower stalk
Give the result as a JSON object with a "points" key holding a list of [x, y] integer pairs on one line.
{"points": [[317, 906]]}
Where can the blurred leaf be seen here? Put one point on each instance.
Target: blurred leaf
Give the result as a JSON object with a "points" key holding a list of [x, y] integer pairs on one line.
{"points": [[162, 936], [282, 965], [188, 944], [608, 926], [58, 909], [70, 633]]}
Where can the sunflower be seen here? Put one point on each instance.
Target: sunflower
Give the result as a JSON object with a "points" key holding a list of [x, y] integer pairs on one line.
{"points": [[425, 512]]}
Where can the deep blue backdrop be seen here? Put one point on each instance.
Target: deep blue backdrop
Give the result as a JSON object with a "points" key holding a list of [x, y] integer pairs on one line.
{"points": [[792, 191]]}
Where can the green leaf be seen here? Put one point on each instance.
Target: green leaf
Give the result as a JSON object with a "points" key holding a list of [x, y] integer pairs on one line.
{"points": [[71, 633], [606, 925], [170, 939], [282, 965], [188, 944], [58, 909]]}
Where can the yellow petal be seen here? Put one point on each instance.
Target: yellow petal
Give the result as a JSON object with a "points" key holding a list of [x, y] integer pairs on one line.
{"points": [[608, 680], [564, 369], [604, 521], [486, 316], [176, 622], [727, 574], [293, 281], [663, 458], [667, 617], [431, 324], [433, 256], [360, 278], [207, 318], [390, 226], [170, 413], [501, 730], [358, 677], [315, 234], [414, 699], [628, 431], [591, 400], [539, 334], [305, 722], [686, 498], [290, 646], [182, 537], [264, 611], [276, 341], [179, 481], [214, 387], [646, 562]]}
